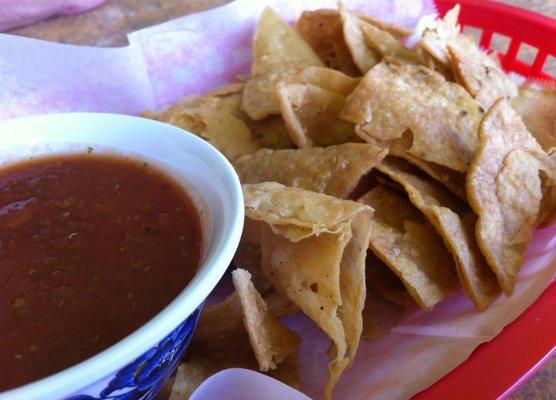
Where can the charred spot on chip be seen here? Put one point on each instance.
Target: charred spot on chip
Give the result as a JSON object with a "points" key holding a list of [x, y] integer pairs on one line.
{"points": [[314, 287]]}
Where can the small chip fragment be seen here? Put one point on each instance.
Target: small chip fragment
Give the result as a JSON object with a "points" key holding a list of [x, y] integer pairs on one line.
{"points": [[333, 170], [278, 51]]}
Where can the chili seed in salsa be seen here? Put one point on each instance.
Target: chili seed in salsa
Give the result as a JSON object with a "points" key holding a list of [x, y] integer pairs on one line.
{"points": [[91, 248]]}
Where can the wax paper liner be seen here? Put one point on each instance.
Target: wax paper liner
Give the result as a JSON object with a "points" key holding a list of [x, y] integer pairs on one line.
{"points": [[199, 52]]}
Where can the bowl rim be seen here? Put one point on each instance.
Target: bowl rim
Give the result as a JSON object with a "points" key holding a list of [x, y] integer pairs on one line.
{"points": [[213, 267]]}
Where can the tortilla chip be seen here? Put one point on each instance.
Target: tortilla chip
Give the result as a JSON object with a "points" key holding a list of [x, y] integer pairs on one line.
{"points": [[232, 88], [386, 44], [219, 127], [322, 30], [398, 31], [479, 73], [435, 40], [326, 78], [278, 305], [453, 180], [474, 69], [536, 108], [271, 341], [454, 222], [333, 170], [409, 245], [173, 110], [386, 283], [395, 96], [278, 51], [248, 256], [363, 56], [313, 254], [311, 115], [504, 189], [226, 333], [188, 378], [271, 132]]}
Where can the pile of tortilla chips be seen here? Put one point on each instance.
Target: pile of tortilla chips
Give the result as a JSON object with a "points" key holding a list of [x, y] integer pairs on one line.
{"points": [[366, 165]]}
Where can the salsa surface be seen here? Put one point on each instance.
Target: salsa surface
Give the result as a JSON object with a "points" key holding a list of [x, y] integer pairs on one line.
{"points": [[91, 248]]}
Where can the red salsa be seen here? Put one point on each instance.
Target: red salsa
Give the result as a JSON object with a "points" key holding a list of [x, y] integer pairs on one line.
{"points": [[91, 248]]}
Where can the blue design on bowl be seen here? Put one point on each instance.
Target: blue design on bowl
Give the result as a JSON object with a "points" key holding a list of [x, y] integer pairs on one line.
{"points": [[144, 377]]}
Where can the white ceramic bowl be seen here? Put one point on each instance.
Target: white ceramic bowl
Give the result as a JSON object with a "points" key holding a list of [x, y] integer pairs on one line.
{"points": [[215, 188]]}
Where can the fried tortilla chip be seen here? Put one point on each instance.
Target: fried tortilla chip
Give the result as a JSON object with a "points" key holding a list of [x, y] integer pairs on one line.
{"points": [[395, 96], [398, 31], [278, 51], [271, 341], [271, 132], [173, 110], [453, 180], [314, 249], [232, 88], [454, 222], [333, 170], [504, 189], [410, 246], [474, 69], [219, 127], [226, 333], [537, 109], [322, 30], [326, 78], [311, 115], [435, 40], [363, 56], [479, 73], [386, 44], [386, 283]]}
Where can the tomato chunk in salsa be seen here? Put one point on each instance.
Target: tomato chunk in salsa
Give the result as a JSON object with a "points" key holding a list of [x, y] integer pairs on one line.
{"points": [[91, 248]]}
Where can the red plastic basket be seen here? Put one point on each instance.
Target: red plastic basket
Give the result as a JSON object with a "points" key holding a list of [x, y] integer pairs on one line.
{"points": [[519, 25], [495, 369]]}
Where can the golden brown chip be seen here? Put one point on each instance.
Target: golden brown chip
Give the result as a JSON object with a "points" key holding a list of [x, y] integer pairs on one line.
{"points": [[326, 78], [504, 189], [479, 73], [190, 376], [219, 127], [410, 246], [474, 69], [454, 222], [173, 110], [363, 56], [386, 283], [322, 30], [313, 253], [435, 40], [397, 31], [333, 170], [386, 44], [271, 132], [453, 180], [232, 88], [271, 341], [395, 96], [225, 335], [537, 109], [311, 115], [278, 51]]}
